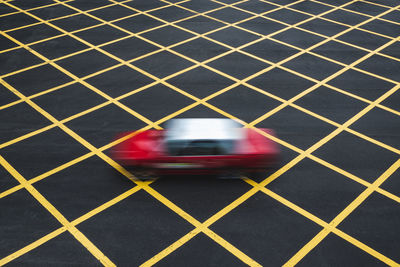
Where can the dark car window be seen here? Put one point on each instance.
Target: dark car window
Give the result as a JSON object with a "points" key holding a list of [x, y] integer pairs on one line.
{"points": [[200, 147]]}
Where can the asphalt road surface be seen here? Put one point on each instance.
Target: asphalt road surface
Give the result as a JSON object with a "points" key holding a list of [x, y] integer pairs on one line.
{"points": [[324, 74]]}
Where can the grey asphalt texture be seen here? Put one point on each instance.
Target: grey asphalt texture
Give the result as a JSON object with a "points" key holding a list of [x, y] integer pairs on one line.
{"points": [[323, 74]]}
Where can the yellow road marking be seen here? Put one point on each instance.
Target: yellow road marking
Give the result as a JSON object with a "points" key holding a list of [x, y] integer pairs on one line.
{"points": [[204, 228], [78, 138], [80, 237], [75, 222], [236, 252], [386, 109], [31, 9], [232, 249], [339, 23], [106, 205], [32, 246], [318, 144], [174, 246], [364, 247], [11, 190], [77, 31], [339, 218], [84, 78], [54, 19], [355, 12], [375, 4], [50, 208]]}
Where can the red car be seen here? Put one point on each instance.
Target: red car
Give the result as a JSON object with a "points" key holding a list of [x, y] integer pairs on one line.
{"points": [[197, 146]]}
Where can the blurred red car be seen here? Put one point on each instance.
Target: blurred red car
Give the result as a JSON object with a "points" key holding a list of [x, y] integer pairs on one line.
{"points": [[197, 146]]}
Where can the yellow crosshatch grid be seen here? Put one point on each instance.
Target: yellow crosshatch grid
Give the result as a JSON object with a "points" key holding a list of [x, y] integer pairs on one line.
{"points": [[328, 227]]}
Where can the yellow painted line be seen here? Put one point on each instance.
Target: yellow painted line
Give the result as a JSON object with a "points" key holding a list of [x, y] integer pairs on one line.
{"points": [[176, 113], [341, 23], [83, 78], [22, 70], [76, 31], [366, 193], [11, 104], [137, 115], [83, 157], [48, 127], [298, 26], [321, 235], [388, 194], [363, 136], [172, 206], [51, 89], [120, 140], [234, 204], [232, 249], [346, 212], [313, 114], [307, 248], [174, 246], [58, 18], [217, 216], [339, 72], [24, 26], [50, 208], [31, 9], [74, 231], [338, 170], [204, 226], [375, 75], [62, 229], [324, 140], [359, 13], [389, 109], [326, 80], [376, 142], [324, 232], [60, 168], [25, 136], [70, 163], [88, 85], [294, 207], [282, 170], [348, 93], [366, 248], [10, 191], [32, 246], [79, 236], [195, 223], [201, 227], [105, 206], [376, 4], [232, 49], [350, 10], [284, 103], [145, 186], [235, 24]]}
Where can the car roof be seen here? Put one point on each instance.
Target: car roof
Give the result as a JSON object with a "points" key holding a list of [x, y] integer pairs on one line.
{"points": [[203, 129]]}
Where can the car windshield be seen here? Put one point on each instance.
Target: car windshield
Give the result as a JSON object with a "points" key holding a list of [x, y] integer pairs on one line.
{"points": [[200, 147]]}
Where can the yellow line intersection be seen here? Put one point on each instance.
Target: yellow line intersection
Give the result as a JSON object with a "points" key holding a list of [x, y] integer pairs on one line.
{"points": [[201, 227]]}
